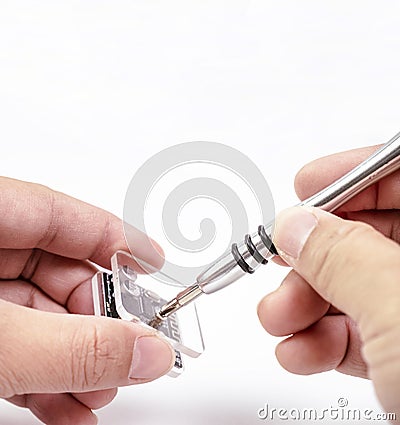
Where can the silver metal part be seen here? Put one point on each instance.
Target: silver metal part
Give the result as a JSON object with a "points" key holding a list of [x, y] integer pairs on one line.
{"points": [[225, 270], [259, 244], [381, 163], [257, 248], [220, 274], [183, 298]]}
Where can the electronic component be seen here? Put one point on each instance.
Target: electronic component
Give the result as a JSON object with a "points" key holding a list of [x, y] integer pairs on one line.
{"points": [[118, 295]]}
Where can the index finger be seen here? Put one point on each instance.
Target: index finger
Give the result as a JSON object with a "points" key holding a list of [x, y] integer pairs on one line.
{"points": [[320, 173], [34, 216]]}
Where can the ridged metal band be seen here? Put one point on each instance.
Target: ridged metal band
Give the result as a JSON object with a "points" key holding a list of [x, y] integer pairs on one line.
{"points": [[240, 260], [253, 250], [267, 240]]}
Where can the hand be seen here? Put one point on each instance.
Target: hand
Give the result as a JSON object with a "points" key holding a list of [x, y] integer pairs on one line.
{"points": [[342, 300], [62, 365]]}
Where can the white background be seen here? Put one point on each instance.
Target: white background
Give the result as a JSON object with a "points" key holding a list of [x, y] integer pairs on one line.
{"points": [[91, 89]]}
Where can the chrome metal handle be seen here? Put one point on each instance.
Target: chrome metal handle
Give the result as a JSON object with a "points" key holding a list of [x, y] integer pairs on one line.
{"points": [[381, 163]]}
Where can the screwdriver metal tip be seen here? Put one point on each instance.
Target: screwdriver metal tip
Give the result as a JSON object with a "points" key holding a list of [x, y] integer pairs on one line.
{"points": [[183, 298]]}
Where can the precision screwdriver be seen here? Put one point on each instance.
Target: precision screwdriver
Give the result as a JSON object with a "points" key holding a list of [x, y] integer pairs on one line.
{"points": [[257, 248]]}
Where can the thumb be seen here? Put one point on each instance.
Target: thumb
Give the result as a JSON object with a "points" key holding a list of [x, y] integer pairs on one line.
{"points": [[349, 264], [45, 352]]}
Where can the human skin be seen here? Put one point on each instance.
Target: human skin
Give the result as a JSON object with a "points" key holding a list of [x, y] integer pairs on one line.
{"points": [[341, 302], [56, 358]]}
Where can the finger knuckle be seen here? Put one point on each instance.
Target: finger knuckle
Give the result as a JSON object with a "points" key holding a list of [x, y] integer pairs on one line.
{"points": [[8, 379], [94, 355], [7, 384], [379, 350], [334, 261], [395, 232]]}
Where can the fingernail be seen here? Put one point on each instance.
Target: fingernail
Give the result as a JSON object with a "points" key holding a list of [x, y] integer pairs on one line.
{"points": [[152, 358], [292, 229]]}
